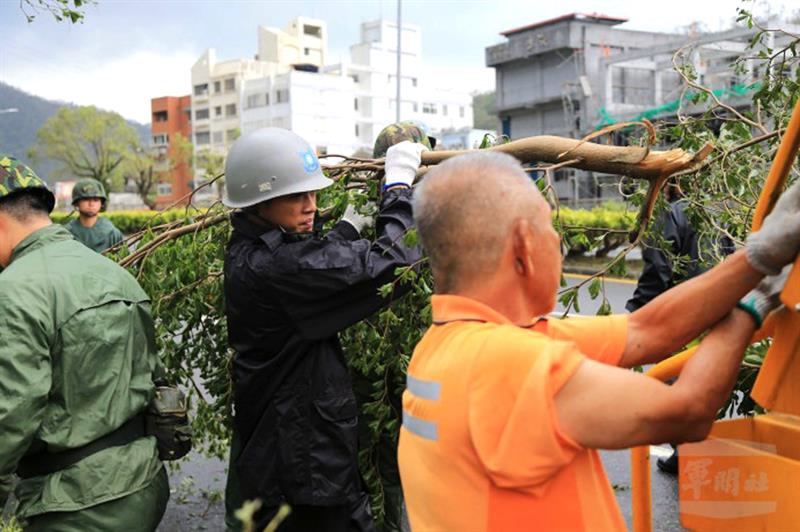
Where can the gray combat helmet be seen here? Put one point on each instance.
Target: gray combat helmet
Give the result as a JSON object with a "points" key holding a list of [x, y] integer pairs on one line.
{"points": [[269, 163]]}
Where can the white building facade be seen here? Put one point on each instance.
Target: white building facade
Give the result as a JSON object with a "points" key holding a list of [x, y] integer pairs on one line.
{"points": [[339, 108]]}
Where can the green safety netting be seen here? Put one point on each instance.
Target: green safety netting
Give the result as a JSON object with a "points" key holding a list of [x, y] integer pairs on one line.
{"points": [[671, 107]]}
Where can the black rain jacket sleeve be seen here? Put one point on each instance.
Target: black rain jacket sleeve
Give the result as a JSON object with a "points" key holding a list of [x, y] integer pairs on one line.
{"points": [[287, 297], [658, 274]]}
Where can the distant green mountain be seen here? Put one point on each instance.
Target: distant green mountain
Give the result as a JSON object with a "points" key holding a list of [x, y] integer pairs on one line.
{"points": [[18, 129]]}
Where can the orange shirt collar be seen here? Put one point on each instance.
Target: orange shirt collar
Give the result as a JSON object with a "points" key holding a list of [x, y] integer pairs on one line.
{"points": [[456, 308]]}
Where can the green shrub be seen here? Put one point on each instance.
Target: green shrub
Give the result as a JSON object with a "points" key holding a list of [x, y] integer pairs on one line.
{"points": [[130, 222], [598, 230]]}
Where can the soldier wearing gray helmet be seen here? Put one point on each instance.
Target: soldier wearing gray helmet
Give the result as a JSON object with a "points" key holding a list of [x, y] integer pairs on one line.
{"points": [[289, 290]]}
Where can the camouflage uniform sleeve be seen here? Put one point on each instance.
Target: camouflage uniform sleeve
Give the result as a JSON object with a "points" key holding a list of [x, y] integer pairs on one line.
{"points": [[25, 375]]}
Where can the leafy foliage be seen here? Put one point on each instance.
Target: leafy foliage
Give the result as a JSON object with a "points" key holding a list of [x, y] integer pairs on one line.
{"points": [[61, 10]]}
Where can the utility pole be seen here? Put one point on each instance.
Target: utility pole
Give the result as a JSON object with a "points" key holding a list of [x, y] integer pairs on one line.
{"points": [[399, 56]]}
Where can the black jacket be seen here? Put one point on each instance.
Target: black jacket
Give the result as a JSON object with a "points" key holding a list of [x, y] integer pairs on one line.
{"points": [[658, 274], [287, 297]]}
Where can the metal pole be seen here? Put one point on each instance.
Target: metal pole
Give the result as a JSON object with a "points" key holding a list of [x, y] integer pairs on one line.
{"points": [[399, 52]]}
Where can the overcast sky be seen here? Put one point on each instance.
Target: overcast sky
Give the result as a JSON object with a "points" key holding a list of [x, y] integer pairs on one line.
{"points": [[129, 51]]}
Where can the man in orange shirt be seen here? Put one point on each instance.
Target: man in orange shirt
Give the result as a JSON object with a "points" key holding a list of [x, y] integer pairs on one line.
{"points": [[504, 410]]}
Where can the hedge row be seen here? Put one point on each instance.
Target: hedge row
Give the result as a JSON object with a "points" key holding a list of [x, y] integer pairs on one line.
{"points": [[584, 230], [129, 221]]}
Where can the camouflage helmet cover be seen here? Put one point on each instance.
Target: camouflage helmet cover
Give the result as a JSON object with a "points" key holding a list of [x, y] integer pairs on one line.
{"points": [[89, 188], [394, 133], [16, 176]]}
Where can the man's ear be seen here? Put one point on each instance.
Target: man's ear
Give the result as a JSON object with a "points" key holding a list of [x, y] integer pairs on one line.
{"points": [[522, 247]]}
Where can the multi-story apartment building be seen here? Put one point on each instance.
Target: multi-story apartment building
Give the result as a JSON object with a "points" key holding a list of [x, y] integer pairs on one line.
{"points": [[341, 108], [319, 107], [573, 74], [217, 86], [548, 81], [171, 118], [373, 68]]}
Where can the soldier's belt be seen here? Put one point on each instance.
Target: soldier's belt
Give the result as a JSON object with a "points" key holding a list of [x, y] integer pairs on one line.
{"points": [[46, 463]]}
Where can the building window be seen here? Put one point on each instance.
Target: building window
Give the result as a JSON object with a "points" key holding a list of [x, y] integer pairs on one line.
{"points": [[355, 104], [358, 132], [415, 106], [217, 87], [314, 31], [354, 77], [160, 116], [202, 137], [230, 109], [461, 111], [282, 96], [444, 109], [230, 84], [201, 90], [413, 82], [218, 110], [306, 51], [231, 135], [216, 137], [429, 108], [164, 189], [161, 140], [254, 100], [266, 99], [201, 114]]}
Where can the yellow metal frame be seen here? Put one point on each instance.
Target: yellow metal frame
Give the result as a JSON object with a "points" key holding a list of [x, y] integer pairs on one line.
{"points": [[786, 332]]}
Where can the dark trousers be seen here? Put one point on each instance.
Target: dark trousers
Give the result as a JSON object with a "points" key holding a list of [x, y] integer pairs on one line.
{"points": [[355, 517]]}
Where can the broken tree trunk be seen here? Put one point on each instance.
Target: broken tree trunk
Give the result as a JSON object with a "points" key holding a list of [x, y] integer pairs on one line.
{"points": [[632, 161]]}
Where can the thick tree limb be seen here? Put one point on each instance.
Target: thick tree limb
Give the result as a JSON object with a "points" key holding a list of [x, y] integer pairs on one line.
{"points": [[633, 161]]}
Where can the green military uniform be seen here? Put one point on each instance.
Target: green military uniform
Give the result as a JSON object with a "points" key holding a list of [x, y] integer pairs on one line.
{"points": [[77, 355], [101, 236]]}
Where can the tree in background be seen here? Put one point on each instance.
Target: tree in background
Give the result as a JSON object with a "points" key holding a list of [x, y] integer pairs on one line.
{"points": [[483, 115], [210, 164], [87, 142], [150, 166]]}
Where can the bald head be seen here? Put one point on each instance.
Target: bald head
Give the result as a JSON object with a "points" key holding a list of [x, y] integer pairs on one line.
{"points": [[464, 211]]}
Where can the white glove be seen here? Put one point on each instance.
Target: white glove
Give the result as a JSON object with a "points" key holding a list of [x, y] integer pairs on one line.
{"points": [[777, 242], [765, 297], [402, 163], [358, 220]]}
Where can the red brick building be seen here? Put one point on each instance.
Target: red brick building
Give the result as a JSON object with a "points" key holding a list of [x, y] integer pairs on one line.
{"points": [[171, 116]]}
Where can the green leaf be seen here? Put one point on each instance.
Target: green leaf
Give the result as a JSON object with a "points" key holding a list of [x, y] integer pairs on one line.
{"points": [[594, 288]]}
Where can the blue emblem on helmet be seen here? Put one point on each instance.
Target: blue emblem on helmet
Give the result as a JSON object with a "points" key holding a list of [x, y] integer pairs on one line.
{"points": [[310, 161]]}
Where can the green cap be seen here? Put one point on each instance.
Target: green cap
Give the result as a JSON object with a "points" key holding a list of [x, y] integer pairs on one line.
{"points": [[394, 133], [89, 188], [16, 177]]}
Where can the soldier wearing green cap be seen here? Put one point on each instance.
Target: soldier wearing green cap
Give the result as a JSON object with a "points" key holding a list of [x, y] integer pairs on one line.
{"points": [[89, 199], [410, 130], [78, 355]]}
